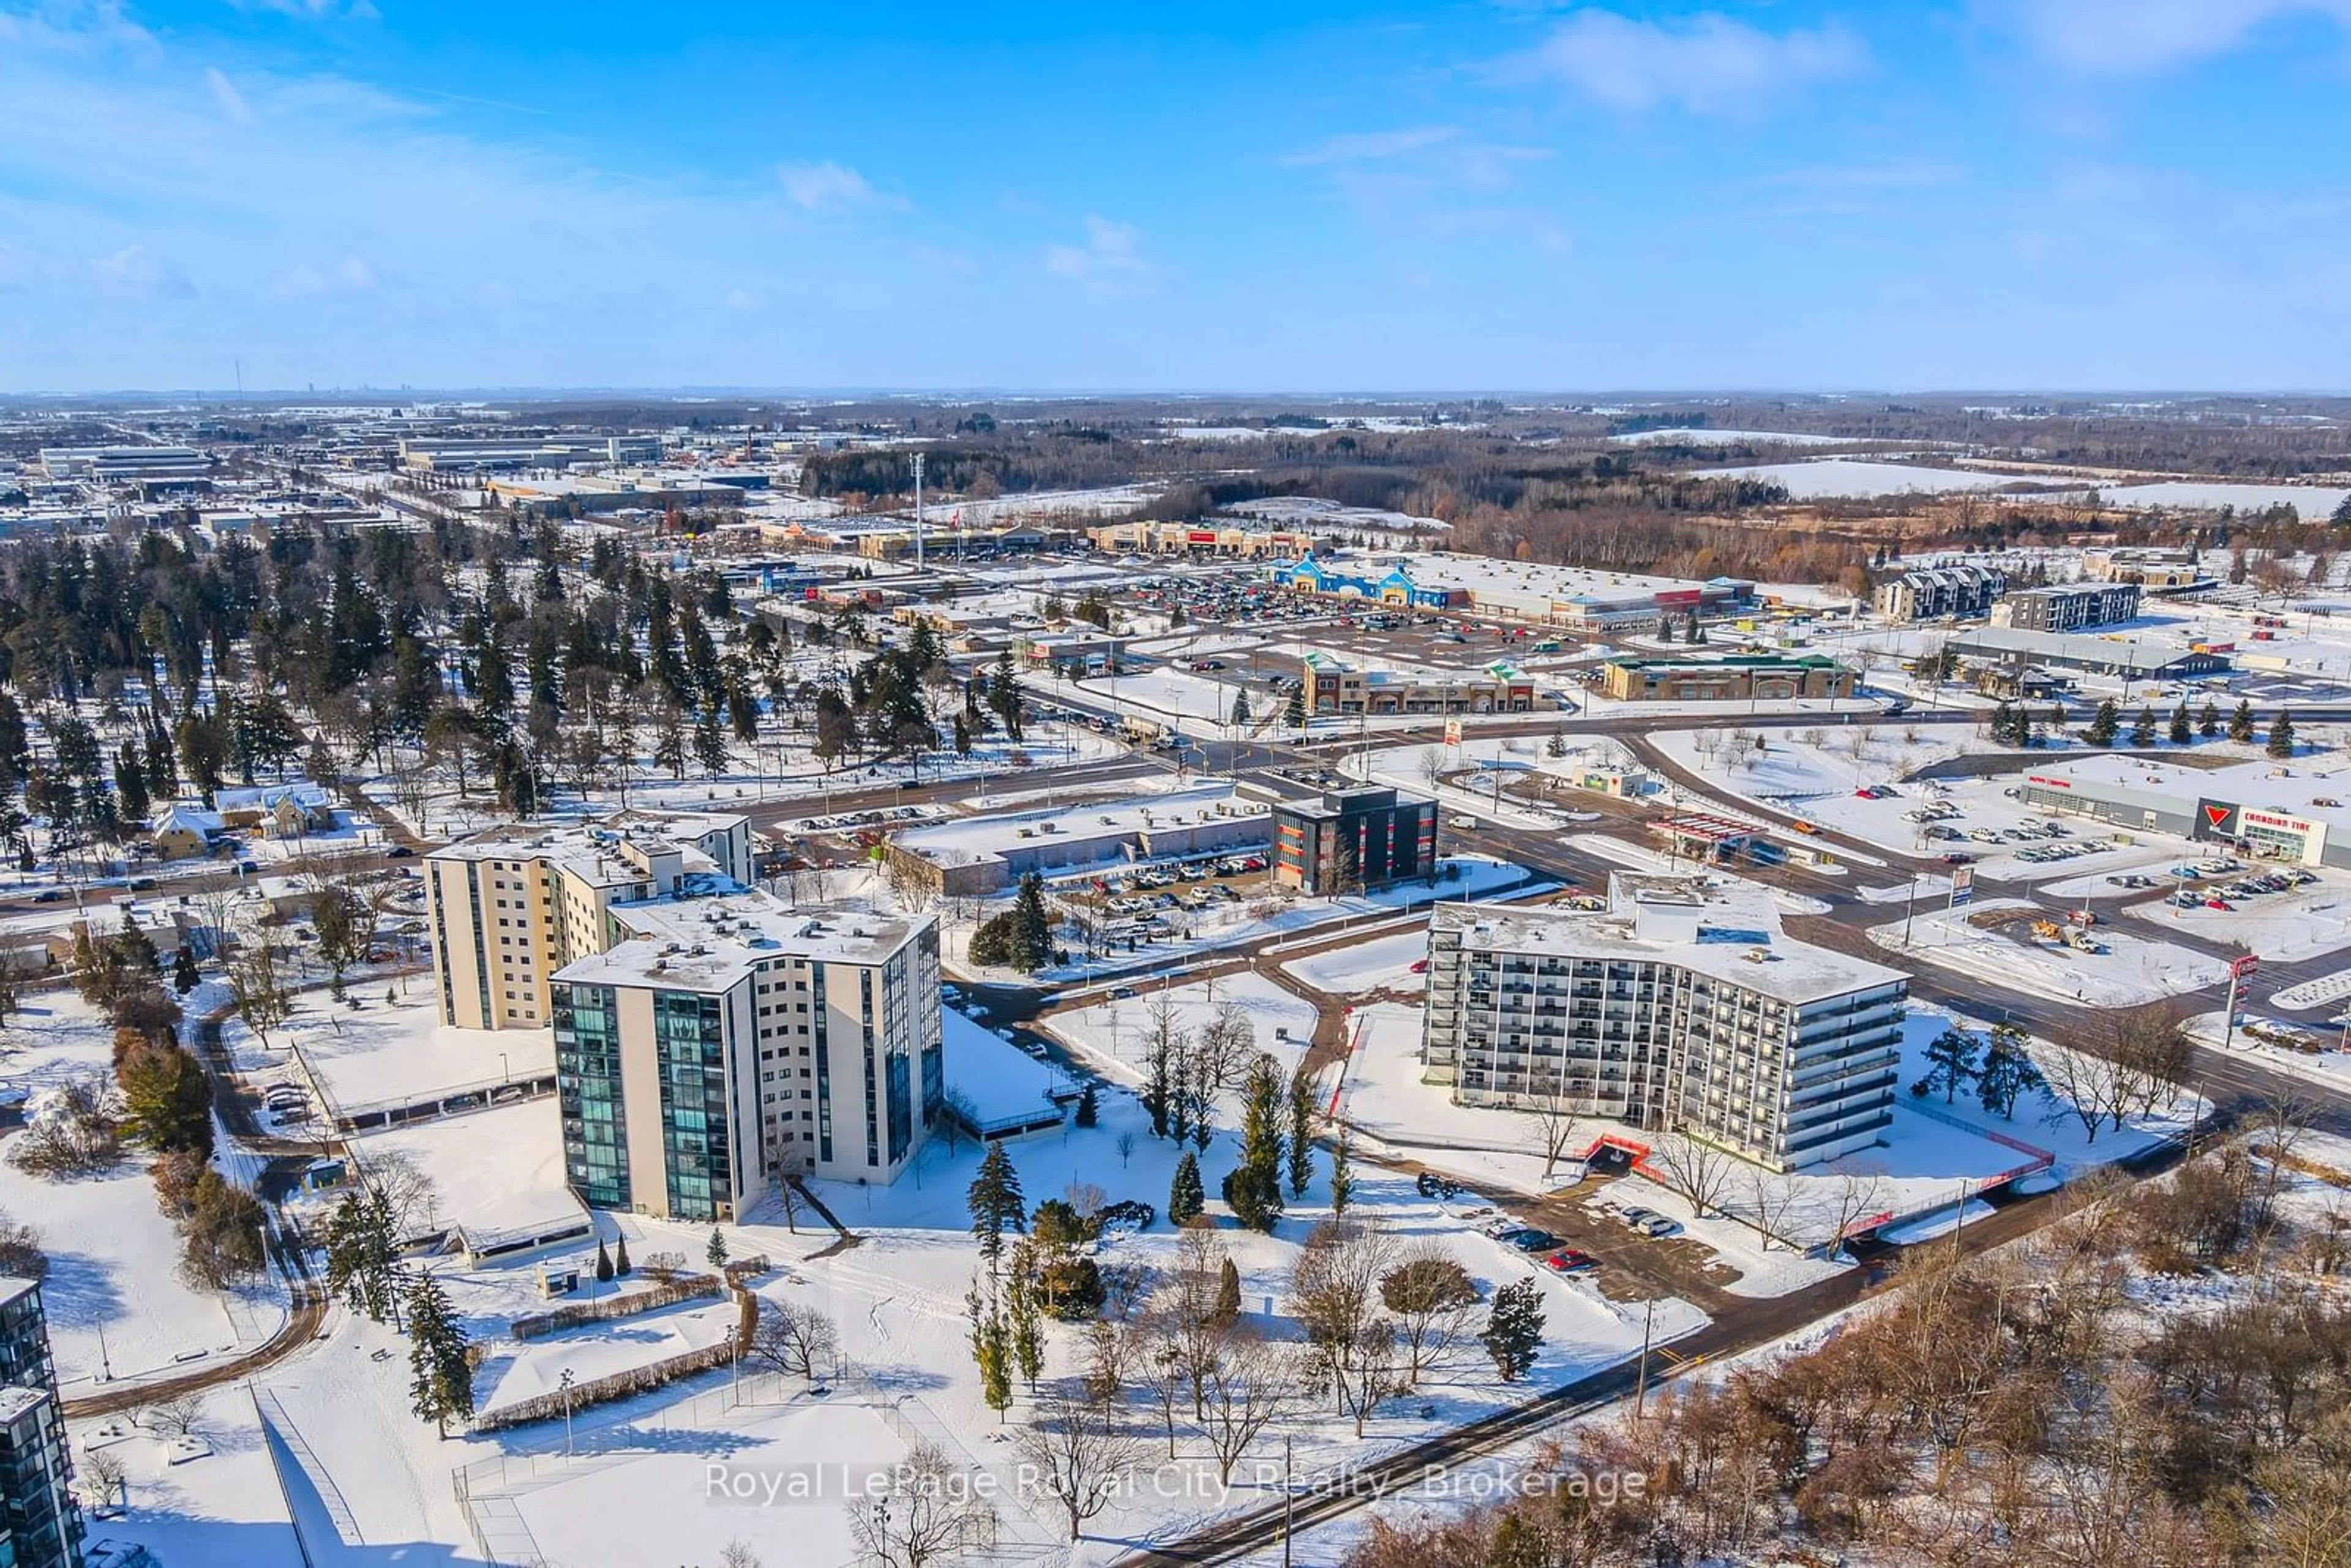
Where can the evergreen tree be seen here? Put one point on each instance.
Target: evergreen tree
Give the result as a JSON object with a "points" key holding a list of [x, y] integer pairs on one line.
{"points": [[1950, 1061], [2003, 724], [361, 1258], [2143, 727], [1343, 1180], [1240, 709], [2207, 723], [1253, 1189], [2240, 721], [2281, 741], [184, 977], [1158, 1086], [1035, 923], [1089, 1105], [1301, 1133], [2103, 725], [1293, 710], [2181, 729], [2008, 1072], [1514, 1329], [715, 1253], [1228, 1310], [996, 1204], [603, 1263], [621, 1264], [441, 1380], [1186, 1197]]}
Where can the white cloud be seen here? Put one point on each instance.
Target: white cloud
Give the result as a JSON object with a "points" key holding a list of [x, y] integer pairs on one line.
{"points": [[1362, 146], [224, 93], [352, 275], [742, 299], [1110, 262], [2129, 37], [132, 274], [355, 10], [1708, 64], [829, 187]]}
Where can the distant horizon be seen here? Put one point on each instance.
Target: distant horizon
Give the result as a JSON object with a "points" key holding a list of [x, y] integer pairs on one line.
{"points": [[1659, 396]]}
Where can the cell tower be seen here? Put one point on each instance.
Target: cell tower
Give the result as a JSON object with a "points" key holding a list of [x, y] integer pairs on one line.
{"points": [[918, 511]]}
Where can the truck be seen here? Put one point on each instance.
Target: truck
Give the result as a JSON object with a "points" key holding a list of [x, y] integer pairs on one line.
{"points": [[1461, 825]]}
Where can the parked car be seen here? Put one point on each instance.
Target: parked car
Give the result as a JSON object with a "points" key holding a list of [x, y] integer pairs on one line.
{"points": [[1568, 1261], [1532, 1241]]}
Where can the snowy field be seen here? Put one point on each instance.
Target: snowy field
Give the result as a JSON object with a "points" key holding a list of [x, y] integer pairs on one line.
{"points": [[2313, 502], [521, 1370], [1382, 964], [1842, 477], [2133, 969], [996, 1078], [116, 1303]]}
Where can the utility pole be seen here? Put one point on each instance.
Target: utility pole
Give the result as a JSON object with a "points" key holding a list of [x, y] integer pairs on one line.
{"points": [[918, 511], [1909, 907], [1289, 1502], [1641, 1379]]}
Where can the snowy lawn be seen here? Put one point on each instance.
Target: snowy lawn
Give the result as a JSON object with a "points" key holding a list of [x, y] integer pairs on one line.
{"points": [[225, 1509], [389, 1054], [521, 1370], [116, 1303], [1394, 963]]}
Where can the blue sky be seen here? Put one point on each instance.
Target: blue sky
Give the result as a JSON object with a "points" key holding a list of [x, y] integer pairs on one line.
{"points": [[1448, 195]]}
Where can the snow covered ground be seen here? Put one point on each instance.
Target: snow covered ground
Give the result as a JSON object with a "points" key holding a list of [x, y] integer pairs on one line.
{"points": [[387, 1052], [521, 1370], [496, 1172], [223, 1510], [117, 1306], [2132, 970], [1115, 1031], [1382, 964], [1822, 477]]}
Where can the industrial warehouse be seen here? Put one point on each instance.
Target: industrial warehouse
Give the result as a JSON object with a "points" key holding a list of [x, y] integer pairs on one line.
{"points": [[2260, 807]]}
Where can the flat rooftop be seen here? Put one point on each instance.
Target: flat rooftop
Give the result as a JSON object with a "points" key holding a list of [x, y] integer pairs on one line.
{"points": [[1732, 920], [2311, 788], [710, 944], [967, 840]]}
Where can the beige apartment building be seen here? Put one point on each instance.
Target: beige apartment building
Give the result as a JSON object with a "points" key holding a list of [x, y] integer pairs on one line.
{"points": [[509, 906]]}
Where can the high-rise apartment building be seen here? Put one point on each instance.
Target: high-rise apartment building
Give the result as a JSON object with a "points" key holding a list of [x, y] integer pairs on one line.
{"points": [[732, 1040], [39, 1525], [1678, 1007], [509, 906]]}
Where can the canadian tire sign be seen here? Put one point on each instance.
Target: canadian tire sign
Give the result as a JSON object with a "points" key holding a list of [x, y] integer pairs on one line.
{"points": [[2215, 820]]}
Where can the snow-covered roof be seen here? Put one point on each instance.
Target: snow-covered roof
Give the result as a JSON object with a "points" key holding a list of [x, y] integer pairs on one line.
{"points": [[710, 944], [1725, 929], [300, 792], [178, 818]]}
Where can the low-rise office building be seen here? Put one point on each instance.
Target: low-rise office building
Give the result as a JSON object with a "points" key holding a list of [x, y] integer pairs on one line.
{"points": [[2154, 569], [1733, 677], [976, 855], [1678, 1007], [2068, 607], [2140, 659], [733, 1041], [1335, 687], [1334, 835]]}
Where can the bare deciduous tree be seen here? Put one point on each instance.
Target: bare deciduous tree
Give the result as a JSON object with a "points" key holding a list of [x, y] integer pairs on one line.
{"points": [[1695, 1168], [931, 1513], [794, 1338], [1078, 1454], [1251, 1382], [1335, 1291]]}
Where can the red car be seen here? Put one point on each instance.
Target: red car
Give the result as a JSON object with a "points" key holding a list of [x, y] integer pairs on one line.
{"points": [[1420, 966], [2217, 904], [1568, 1261]]}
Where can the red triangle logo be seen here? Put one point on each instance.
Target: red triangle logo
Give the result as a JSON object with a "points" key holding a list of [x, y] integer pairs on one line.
{"points": [[2216, 815]]}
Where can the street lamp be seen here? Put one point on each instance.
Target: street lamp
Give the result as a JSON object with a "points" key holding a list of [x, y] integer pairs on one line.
{"points": [[564, 1388]]}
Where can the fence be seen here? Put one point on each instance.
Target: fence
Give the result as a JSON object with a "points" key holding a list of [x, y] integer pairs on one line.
{"points": [[644, 1379], [618, 1305]]}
